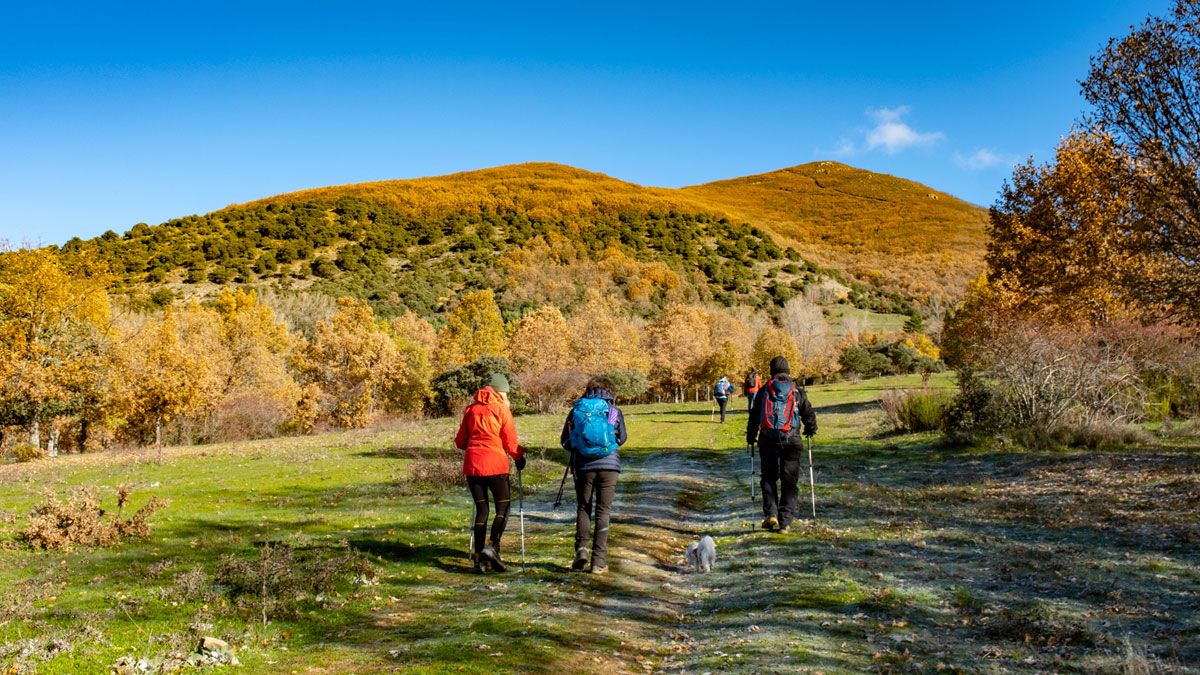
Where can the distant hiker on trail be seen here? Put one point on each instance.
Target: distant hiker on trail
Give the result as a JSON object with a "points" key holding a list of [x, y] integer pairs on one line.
{"points": [[594, 429], [488, 437], [751, 386], [722, 390], [774, 424]]}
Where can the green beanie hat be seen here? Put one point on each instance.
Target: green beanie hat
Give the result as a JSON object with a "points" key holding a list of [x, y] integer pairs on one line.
{"points": [[498, 382]]}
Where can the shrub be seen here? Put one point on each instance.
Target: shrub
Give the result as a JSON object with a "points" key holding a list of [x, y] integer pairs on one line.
{"points": [[280, 576], [548, 390], [880, 357], [453, 389], [56, 525], [1093, 436], [438, 472], [916, 410], [629, 383], [250, 415], [27, 452]]}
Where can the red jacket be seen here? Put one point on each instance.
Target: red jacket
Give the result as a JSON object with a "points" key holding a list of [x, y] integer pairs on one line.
{"points": [[756, 387], [487, 435]]}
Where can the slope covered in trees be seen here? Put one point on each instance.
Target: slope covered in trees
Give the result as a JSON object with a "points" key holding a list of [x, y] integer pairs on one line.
{"points": [[541, 233]]}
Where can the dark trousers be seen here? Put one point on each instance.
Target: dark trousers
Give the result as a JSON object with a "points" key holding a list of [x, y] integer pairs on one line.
{"points": [[780, 464], [722, 402], [594, 490], [498, 486]]}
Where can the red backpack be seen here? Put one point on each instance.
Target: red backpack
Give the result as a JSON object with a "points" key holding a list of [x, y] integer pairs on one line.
{"points": [[779, 408]]}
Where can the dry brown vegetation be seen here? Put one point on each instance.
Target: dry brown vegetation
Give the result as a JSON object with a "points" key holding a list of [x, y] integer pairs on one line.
{"points": [[80, 521]]}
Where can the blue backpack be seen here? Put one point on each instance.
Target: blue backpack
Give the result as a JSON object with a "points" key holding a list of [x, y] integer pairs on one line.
{"points": [[722, 387], [592, 436]]}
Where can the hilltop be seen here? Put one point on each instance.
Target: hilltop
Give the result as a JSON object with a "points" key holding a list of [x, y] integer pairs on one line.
{"points": [[524, 228], [877, 227]]}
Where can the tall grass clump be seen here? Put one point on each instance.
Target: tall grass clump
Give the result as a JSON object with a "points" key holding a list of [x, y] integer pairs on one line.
{"points": [[914, 410]]}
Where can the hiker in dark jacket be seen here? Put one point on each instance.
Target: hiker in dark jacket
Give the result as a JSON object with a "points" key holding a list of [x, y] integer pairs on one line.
{"points": [[594, 430], [776, 429]]}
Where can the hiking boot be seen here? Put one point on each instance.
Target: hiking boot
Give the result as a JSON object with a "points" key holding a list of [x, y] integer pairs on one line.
{"points": [[784, 529], [581, 560], [481, 565], [599, 569], [492, 556], [770, 523]]}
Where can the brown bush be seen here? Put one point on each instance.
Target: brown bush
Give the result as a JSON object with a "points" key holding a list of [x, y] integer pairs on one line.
{"points": [[57, 525], [247, 416], [549, 390], [438, 472]]}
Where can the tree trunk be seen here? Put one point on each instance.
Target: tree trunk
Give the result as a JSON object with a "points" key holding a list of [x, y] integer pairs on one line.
{"points": [[52, 443], [83, 435], [35, 433]]}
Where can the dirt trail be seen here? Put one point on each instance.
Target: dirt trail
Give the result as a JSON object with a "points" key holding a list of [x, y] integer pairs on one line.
{"points": [[664, 501]]}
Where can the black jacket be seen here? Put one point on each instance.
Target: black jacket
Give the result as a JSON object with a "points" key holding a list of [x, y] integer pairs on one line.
{"points": [[804, 413], [611, 462]]}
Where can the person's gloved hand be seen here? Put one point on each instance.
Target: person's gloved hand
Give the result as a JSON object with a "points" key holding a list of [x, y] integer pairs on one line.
{"points": [[521, 463], [809, 433]]}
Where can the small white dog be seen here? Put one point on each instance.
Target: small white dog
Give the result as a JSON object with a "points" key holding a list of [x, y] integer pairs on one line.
{"points": [[701, 555]]}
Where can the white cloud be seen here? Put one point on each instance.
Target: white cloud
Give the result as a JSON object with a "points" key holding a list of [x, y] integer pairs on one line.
{"points": [[981, 159], [894, 135], [845, 148]]}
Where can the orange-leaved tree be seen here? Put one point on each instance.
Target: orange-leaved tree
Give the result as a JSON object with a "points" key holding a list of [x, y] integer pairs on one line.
{"points": [[178, 364], [54, 322], [678, 342], [603, 338], [474, 329]]}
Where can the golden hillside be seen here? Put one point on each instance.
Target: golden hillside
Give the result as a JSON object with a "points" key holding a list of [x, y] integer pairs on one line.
{"points": [[894, 232], [872, 225]]}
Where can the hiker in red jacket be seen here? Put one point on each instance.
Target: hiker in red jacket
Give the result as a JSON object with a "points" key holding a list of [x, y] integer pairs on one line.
{"points": [[488, 437], [752, 385]]}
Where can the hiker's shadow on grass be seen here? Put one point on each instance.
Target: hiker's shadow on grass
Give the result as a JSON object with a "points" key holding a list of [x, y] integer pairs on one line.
{"points": [[846, 408], [409, 452], [442, 557], [692, 413]]}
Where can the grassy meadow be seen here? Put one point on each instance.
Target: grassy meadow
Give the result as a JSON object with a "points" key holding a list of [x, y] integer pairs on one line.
{"points": [[922, 557]]}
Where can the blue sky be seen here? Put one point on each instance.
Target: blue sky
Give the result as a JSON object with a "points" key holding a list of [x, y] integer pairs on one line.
{"points": [[110, 116]]}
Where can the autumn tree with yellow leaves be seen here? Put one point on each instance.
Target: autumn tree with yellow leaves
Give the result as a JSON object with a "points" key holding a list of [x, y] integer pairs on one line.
{"points": [[678, 342], [604, 338], [54, 323], [177, 367], [360, 367], [774, 342], [474, 329]]}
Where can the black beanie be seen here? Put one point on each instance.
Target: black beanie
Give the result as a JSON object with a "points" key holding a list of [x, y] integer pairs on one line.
{"points": [[779, 365]]}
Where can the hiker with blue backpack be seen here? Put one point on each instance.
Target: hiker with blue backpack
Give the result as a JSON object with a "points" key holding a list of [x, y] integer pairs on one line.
{"points": [[593, 432], [722, 390], [775, 420]]}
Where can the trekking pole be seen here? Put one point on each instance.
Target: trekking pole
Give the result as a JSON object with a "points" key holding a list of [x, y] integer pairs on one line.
{"points": [[561, 485], [811, 482], [750, 447], [521, 511], [474, 515]]}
